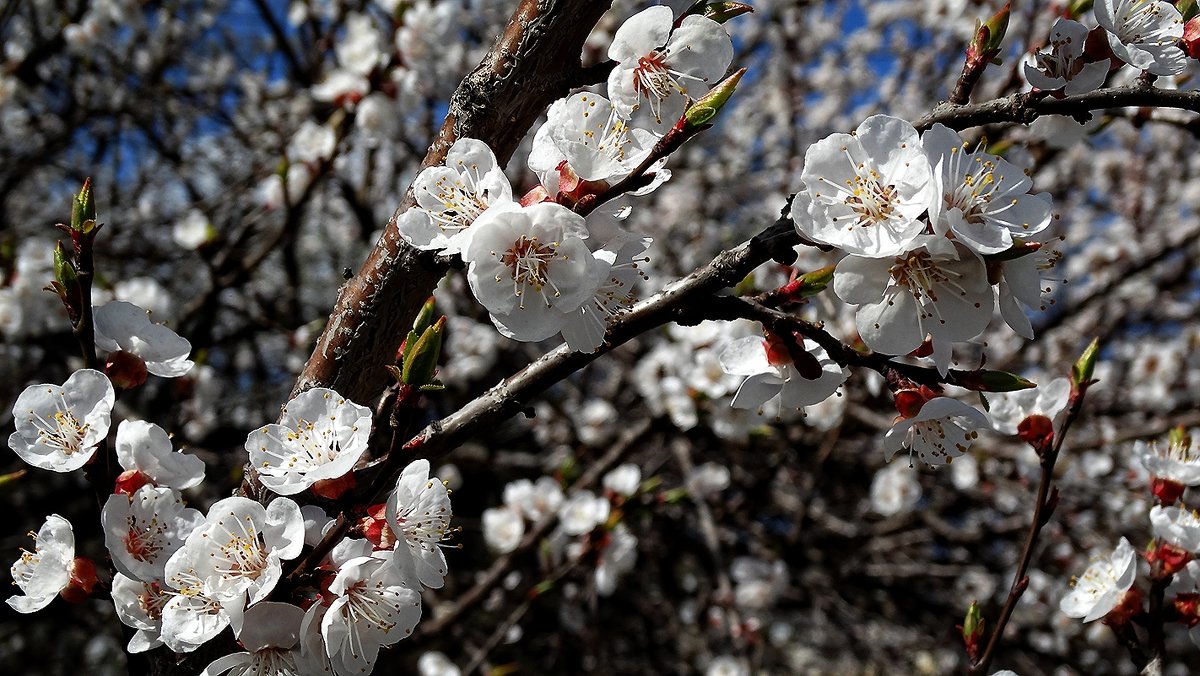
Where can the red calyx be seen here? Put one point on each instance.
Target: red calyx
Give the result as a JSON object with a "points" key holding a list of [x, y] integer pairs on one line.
{"points": [[1167, 492], [332, 489], [125, 370], [1037, 431], [129, 481], [83, 579]]}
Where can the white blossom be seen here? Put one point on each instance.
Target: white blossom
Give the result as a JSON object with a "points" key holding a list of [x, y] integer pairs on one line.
{"points": [[618, 557], [982, 199], [270, 634], [582, 512], [1178, 462], [143, 530], [419, 512], [1063, 66], [125, 326], [145, 447], [1178, 526], [1102, 585], [531, 269], [943, 430], [450, 197], [320, 435], [1008, 409], [664, 66], [375, 604], [1144, 33], [623, 480], [139, 606], [940, 290], [59, 426], [44, 572], [895, 489], [864, 192], [586, 132], [503, 528], [766, 381], [534, 500]]}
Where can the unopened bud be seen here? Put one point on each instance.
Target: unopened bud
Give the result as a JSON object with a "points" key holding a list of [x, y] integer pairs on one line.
{"points": [[985, 380], [1081, 371], [989, 36], [705, 109], [83, 209], [972, 630], [812, 283], [421, 358]]}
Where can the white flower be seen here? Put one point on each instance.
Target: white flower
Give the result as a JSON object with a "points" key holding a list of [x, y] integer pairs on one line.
{"points": [[727, 665], [623, 480], [125, 326], [943, 430], [59, 427], [1144, 33], [1103, 584], [1063, 66], [319, 436], [418, 512], [145, 447], [618, 557], [434, 663], [139, 606], [531, 269], [236, 554], [311, 144], [270, 634], [665, 66], [1178, 526], [983, 199], [707, 480], [360, 50], [1008, 409], [767, 382], [895, 489], [375, 605], [503, 529], [535, 500], [757, 583], [940, 290], [44, 572], [582, 512], [193, 230], [1178, 462], [864, 192], [450, 198], [190, 617], [618, 270], [587, 133], [143, 530], [1022, 285]]}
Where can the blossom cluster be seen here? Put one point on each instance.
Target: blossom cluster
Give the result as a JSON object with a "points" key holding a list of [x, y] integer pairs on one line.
{"points": [[183, 576], [537, 264]]}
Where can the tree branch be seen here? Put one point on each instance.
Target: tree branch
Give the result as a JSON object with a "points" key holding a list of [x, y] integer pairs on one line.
{"points": [[1027, 107]]}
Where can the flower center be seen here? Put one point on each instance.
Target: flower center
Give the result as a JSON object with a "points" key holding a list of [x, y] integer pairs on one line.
{"points": [[461, 201], [244, 554], [143, 544], [62, 431], [529, 262], [871, 201]]}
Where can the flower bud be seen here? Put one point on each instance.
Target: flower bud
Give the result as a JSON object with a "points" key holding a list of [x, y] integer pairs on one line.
{"points": [[989, 36], [705, 109], [984, 380], [972, 630], [420, 359], [1167, 492], [424, 317], [83, 209], [724, 11], [1081, 371], [909, 402]]}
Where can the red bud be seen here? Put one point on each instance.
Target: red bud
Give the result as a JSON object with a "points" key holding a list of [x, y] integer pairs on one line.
{"points": [[1037, 431], [129, 481], [83, 579], [1166, 491]]}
